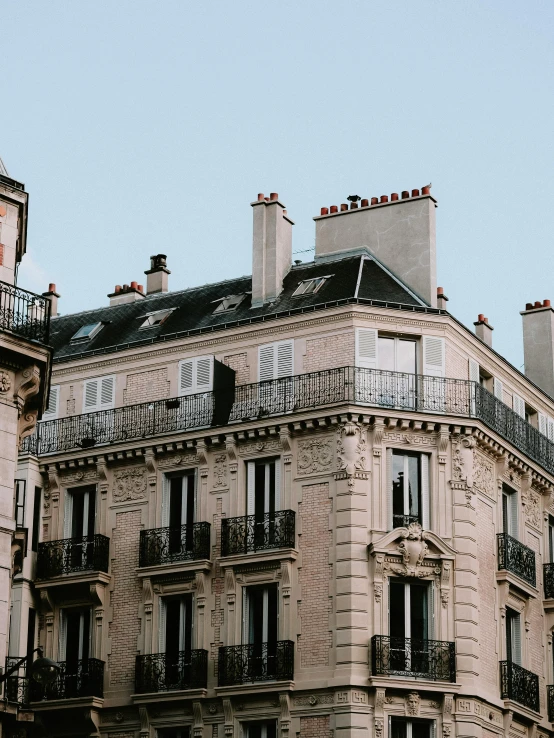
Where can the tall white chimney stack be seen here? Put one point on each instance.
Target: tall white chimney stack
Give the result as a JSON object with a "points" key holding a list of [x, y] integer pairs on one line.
{"points": [[271, 248]]}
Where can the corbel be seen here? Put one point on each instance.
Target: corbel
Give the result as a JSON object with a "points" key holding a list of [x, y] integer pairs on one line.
{"points": [[144, 722], [201, 453], [46, 602], [198, 722], [229, 718], [102, 471], [200, 586], [378, 430], [442, 442], [284, 716], [285, 438], [286, 578], [230, 585], [96, 592], [380, 695]]}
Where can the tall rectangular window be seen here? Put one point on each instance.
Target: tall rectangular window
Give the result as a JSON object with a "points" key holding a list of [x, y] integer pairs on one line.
{"points": [[550, 542], [409, 626], [36, 519], [404, 728], [408, 474], [20, 488], [261, 729], [510, 511], [260, 628], [31, 627], [179, 509], [513, 636]]}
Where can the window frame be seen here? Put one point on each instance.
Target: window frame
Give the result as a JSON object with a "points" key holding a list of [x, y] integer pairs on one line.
{"points": [[424, 477], [95, 330], [311, 280], [99, 404]]}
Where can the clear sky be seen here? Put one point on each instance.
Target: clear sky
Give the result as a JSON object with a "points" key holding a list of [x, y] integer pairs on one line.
{"points": [[141, 127]]}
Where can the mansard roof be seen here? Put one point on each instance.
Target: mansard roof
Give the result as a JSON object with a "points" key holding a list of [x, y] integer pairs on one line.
{"points": [[352, 279]]}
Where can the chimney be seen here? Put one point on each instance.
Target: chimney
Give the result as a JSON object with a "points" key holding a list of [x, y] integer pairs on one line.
{"points": [[128, 293], [271, 248], [442, 299], [538, 344], [53, 296], [400, 233], [483, 330], [157, 275]]}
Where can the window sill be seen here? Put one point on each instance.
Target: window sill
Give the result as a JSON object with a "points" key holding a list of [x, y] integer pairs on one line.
{"points": [[174, 567], [169, 695], [508, 577], [254, 557], [254, 687]]}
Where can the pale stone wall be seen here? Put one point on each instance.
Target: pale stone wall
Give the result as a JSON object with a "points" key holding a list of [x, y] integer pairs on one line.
{"points": [[488, 617]]}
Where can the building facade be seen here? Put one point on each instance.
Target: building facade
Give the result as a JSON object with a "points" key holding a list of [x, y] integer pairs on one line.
{"points": [[304, 503]]}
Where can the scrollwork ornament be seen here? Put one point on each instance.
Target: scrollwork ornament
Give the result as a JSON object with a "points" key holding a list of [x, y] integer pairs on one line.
{"points": [[5, 382]]}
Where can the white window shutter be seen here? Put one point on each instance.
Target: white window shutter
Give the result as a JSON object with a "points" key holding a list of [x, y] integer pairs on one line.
{"points": [[162, 620], [285, 359], [433, 356], [516, 638], [67, 514], [518, 405], [51, 411], [550, 427], [543, 424], [498, 388], [165, 501], [62, 636], [250, 487], [107, 386], [186, 376], [204, 366], [474, 371], [367, 348], [91, 394], [266, 362], [514, 514], [425, 492], [390, 521], [277, 484]]}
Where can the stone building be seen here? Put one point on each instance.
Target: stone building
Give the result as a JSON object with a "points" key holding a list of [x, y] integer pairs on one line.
{"points": [[25, 365], [305, 503]]}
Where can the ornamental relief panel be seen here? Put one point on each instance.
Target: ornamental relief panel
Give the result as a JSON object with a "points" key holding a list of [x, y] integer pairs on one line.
{"points": [[314, 455], [483, 475], [259, 447], [129, 484], [220, 471], [533, 509], [412, 439], [80, 476], [177, 460]]}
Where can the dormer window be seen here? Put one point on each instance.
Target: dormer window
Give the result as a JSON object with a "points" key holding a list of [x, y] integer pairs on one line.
{"points": [[156, 318], [86, 332], [231, 302], [309, 286]]}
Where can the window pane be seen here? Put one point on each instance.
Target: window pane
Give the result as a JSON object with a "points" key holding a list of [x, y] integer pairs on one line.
{"points": [[386, 354], [397, 628], [398, 490], [413, 485], [421, 730], [418, 607], [398, 728], [406, 356]]}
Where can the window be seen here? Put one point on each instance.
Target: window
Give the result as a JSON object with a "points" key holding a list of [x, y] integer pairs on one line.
{"points": [[263, 486], [229, 303], [261, 729], [52, 409], [309, 286], [196, 375], [98, 394], [403, 728], [79, 525], [20, 487], [31, 628], [408, 473], [513, 636], [510, 511], [86, 332], [275, 360], [260, 617], [36, 519], [409, 626], [178, 510], [546, 426], [175, 632], [550, 542], [174, 732], [156, 318], [75, 639], [384, 352]]}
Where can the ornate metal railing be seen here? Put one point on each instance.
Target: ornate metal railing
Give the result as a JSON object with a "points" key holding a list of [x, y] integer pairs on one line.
{"points": [[176, 543], [548, 580], [403, 521], [550, 701], [413, 657], [79, 678], [24, 313], [161, 672], [256, 662], [85, 553], [516, 557], [16, 687], [352, 385], [258, 533], [519, 685]]}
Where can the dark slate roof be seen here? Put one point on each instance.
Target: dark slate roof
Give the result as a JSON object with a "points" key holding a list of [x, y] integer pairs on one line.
{"points": [[194, 308]]}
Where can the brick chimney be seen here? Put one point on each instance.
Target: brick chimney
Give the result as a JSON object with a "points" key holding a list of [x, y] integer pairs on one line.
{"points": [[483, 330], [53, 296], [538, 344], [128, 293], [157, 275], [399, 232], [271, 248]]}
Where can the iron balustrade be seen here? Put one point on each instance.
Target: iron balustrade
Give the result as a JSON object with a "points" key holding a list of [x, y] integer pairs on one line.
{"points": [[77, 678], [256, 662], [519, 685], [24, 313], [404, 521], [258, 532], [516, 557], [413, 657], [550, 701], [174, 543], [17, 685], [162, 672], [84, 553], [548, 580], [350, 385]]}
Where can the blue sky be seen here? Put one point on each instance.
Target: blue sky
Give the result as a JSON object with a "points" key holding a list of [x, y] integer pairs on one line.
{"points": [[143, 127]]}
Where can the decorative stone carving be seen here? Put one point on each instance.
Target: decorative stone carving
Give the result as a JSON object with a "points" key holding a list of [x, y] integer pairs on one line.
{"points": [[314, 455], [258, 447], [462, 462], [320, 699], [178, 460], [129, 484], [533, 509], [413, 701], [483, 475], [352, 451], [80, 475], [378, 728], [413, 550], [220, 470], [5, 381], [412, 439], [377, 592]]}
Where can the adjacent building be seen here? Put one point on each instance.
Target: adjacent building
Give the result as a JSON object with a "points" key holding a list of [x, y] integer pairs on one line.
{"points": [[309, 502]]}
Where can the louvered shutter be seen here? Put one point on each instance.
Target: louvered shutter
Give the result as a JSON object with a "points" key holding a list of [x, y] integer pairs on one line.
{"points": [[51, 411], [498, 388], [513, 502], [550, 427], [516, 638], [162, 620], [91, 395], [390, 522], [277, 484], [186, 377], [204, 373], [366, 348], [433, 356], [424, 492], [285, 359], [98, 394], [543, 424], [473, 371], [107, 386], [518, 404], [67, 514], [250, 487], [62, 636], [165, 501], [266, 362]]}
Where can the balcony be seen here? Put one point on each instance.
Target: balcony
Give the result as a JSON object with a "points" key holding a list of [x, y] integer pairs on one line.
{"points": [[16, 688], [258, 533], [162, 672], [256, 662], [72, 555], [79, 678], [517, 558], [550, 701], [288, 395], [519, 685], [174, 544], [548, 580], [24, 313], [413, 657]]}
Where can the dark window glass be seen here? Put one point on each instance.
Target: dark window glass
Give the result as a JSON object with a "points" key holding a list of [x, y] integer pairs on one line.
{"points": [[402, 728], [406, 489], [36, 519], [262, 729], [31, 631]]}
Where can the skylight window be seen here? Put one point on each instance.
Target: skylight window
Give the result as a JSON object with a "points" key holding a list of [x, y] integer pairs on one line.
{"points": [[156, 318], [86, 332], [231, 302], [309, 286]]}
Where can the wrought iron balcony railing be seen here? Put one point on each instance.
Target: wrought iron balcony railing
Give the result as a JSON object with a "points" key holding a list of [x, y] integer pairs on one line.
{"points": [[161, 672], [413, 657], [78, 678], [351, 385], [176, 543], [258, 533], [550, 702], [403, 521], [548, 580], [85, 553], [17, 685], [519, 685], [24, 313], [516, 557], [256, 662]]}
